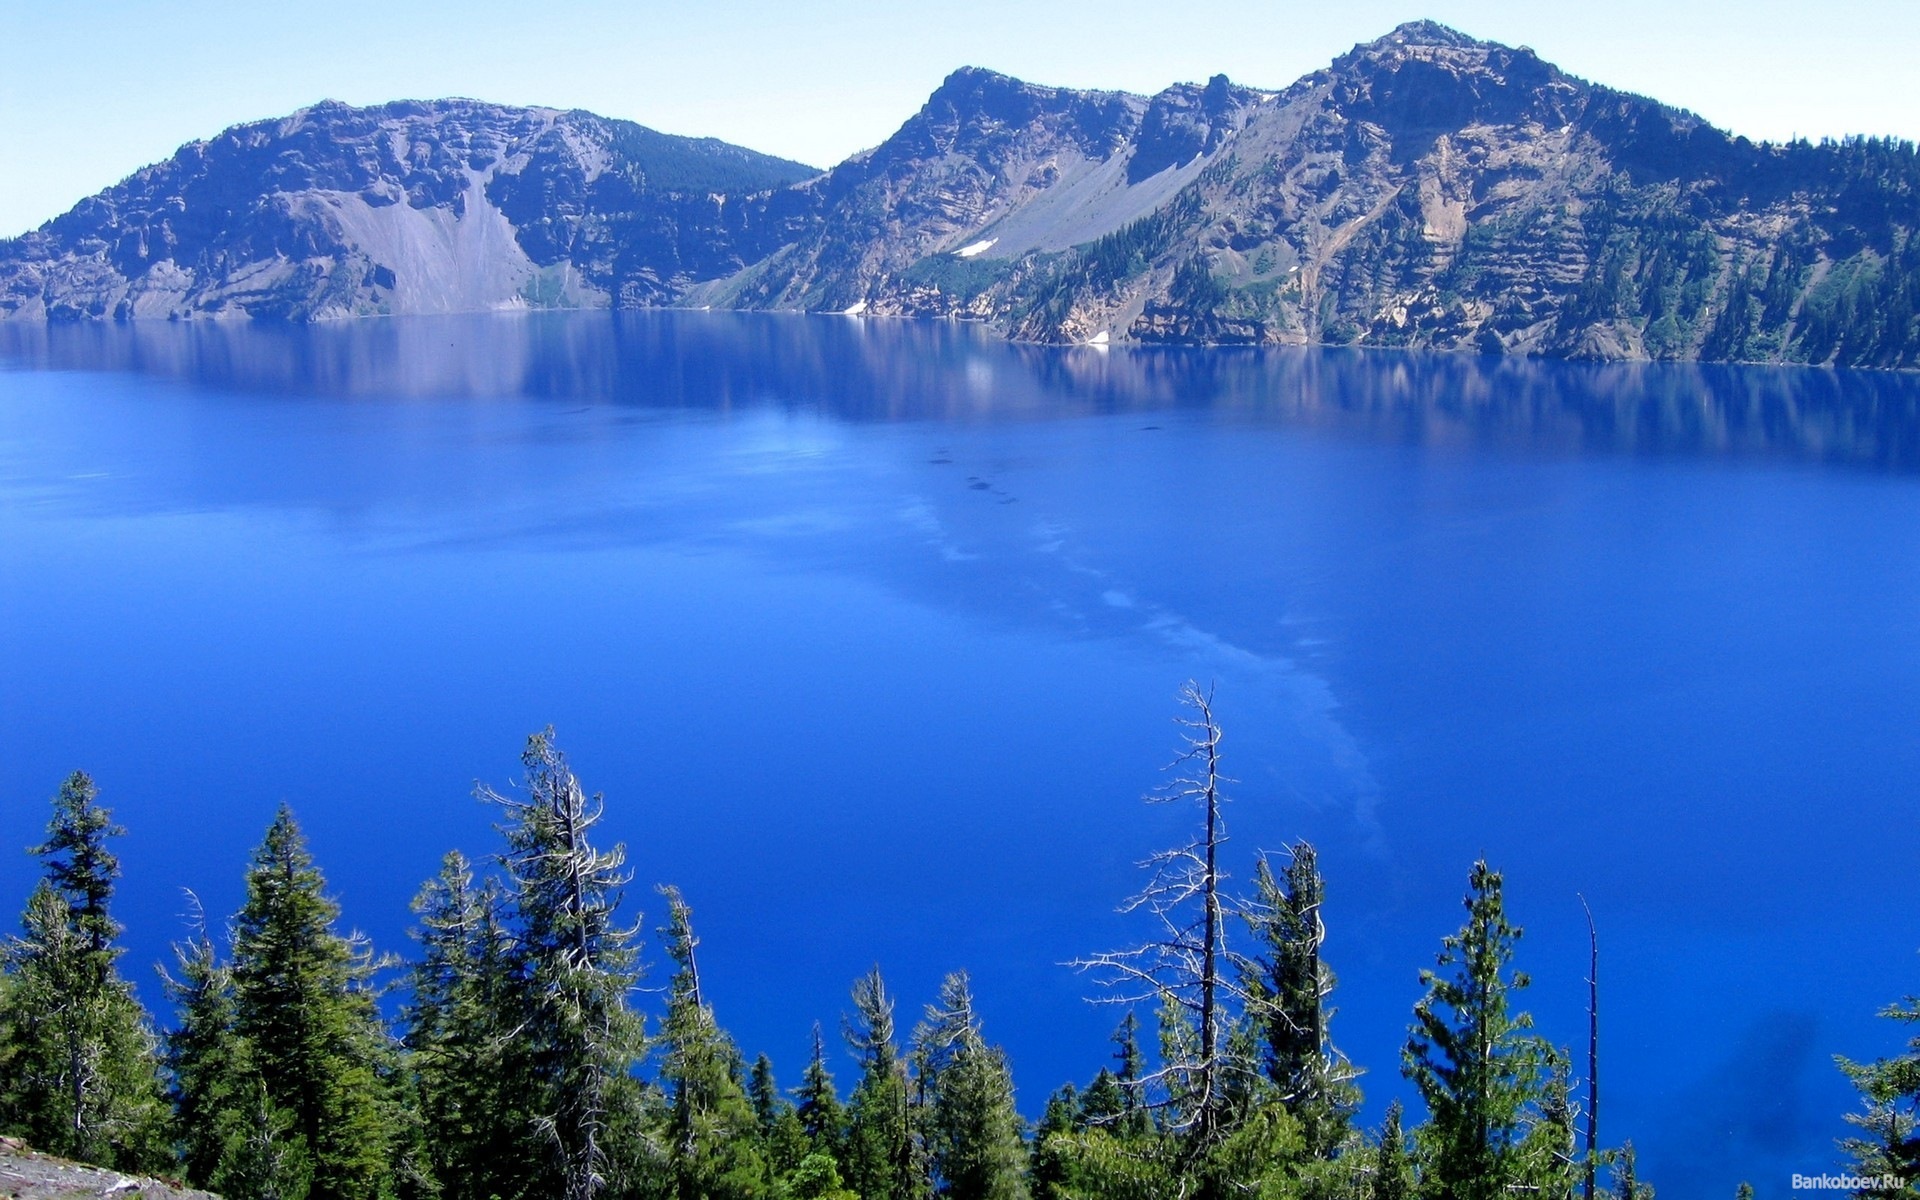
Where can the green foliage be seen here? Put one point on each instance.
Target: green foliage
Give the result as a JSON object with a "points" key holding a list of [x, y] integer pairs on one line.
{"points": [[882, 1159], [817, 1177], [469, 1069], [713, 1133], [1093, 1164], [575, 969], [822, 1119], [82, 1077], [1393, 1177], [1866, 311], [216, 1087], [1472, 1058], [973, 1132], [1652, 264], [1287, 984], [700, 166], [1626, 1177], [1196, 287], [1888, 1141], [965, 279], [304, 1003]]}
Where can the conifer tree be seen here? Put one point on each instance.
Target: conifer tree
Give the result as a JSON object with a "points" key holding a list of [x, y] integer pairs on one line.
{"points": [[973, 1131], [1393, 1170], [576, 969], [82, 1076], [783, 1141], [1554, 1164], [1626, 1177], [1136, 1119], [763, 1092], [1888, 1144], [882, 1156], [469, 1067], [822, 1118], [1287, 985], [713, 1132], [1049, 1169], [1470, 1055], [1103, 1104], [218, 1096], [304, 1002]]}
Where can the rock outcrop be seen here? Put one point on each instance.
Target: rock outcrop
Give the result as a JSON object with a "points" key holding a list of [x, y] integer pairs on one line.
{"points": [[1425, 190], [25, 1175]]}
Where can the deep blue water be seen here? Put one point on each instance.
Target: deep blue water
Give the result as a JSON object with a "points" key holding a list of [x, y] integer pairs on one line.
{"points": [[871, 634]]}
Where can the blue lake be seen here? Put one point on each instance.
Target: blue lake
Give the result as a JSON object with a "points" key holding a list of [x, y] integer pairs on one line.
{"points": [[871, 634]]}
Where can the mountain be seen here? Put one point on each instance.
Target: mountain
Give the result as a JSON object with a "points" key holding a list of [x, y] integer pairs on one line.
{"points": [[409, 207], [1424, 190]]}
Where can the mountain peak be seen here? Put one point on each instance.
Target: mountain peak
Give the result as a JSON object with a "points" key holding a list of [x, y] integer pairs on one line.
{"points": [[1427, 33]]}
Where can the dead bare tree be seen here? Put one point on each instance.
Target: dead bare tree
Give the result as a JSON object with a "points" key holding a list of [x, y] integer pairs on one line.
{"points": [[1593, 1051], [1184, 968], [578, 965]]}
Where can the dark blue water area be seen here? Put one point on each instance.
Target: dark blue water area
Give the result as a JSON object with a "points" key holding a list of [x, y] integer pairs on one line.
{"points": [[871, 633]]}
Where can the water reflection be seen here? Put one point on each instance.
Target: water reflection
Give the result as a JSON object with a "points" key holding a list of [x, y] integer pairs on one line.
{"points": [[872, 370]]}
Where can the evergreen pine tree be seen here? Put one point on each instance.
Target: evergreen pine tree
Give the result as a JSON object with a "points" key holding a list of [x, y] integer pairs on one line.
{"points": [[1475, 1064], [713, 1131], [1626, 1177], [220, 1106], [1555, 1166], [1287, 985], [82, 1076], [469, 1067], [1104, 1103], [576, 969], [1888, 1144], [1136, 1119], [764, 1094], [1049, 1172], [305, 1005], [882, 1157], [1393, 1169], [822, 1117], [973, 1131], [264, 1158]]}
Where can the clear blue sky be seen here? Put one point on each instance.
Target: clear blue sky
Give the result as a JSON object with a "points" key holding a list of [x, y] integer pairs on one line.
{"points": [[92, 89]]}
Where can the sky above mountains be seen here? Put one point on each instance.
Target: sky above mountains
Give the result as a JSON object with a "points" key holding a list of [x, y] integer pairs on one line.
{"points": [[93, 91]]}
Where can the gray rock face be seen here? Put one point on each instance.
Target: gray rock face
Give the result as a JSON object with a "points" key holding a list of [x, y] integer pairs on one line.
{"points": [[25, 1175], [405, 208], [1424, 190]]}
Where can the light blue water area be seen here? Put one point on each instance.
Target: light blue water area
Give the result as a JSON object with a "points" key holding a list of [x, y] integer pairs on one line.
{"points": [[871, 634]]}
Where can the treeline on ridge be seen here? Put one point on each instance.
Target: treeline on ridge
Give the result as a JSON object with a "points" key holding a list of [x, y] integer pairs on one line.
{"points": [[517, 1064]]}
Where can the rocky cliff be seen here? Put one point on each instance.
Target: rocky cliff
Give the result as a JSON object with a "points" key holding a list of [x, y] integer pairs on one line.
{"points": [[448, 206], [1425, 190]]}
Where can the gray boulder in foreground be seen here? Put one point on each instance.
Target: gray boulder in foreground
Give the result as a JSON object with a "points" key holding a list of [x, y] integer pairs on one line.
{"points": [[26, 1175]]}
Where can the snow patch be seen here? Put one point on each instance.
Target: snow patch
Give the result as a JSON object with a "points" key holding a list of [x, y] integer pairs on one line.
{"points": [[1098, 339], [859, 306], [975, 248]]}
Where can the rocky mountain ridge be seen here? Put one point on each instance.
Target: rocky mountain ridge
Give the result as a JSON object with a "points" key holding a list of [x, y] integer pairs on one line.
{"points": [[1424, 190], [444, 206]]}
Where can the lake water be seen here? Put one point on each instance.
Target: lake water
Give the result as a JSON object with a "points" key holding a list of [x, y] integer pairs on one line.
{"points": [[871, 633]]}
